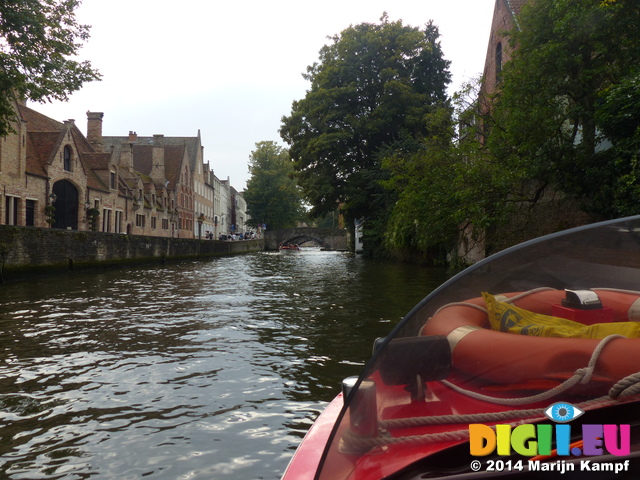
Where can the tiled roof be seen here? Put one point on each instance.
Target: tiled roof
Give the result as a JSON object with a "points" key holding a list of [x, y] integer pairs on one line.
{"points": [[173, 156], [43, 136], [38, 122], [143, 158], [192, 145], [39, 148]]}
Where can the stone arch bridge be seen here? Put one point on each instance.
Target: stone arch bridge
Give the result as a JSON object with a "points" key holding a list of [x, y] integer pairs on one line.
{"points": [[328, 238]]}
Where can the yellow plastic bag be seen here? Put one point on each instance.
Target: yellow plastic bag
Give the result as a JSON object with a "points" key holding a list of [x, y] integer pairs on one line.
{"points": [[505, 317]]}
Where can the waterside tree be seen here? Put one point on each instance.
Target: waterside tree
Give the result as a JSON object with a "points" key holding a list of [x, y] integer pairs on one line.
{"points": [[272, 196], [370, 94], [38, 41]]}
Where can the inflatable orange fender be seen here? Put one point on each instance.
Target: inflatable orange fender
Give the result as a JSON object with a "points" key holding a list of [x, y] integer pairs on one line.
{"points": [[504, 358]]}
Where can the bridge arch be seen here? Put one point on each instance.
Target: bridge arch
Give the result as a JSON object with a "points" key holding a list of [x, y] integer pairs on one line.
{"points": [[302, 239], [328, 238]]}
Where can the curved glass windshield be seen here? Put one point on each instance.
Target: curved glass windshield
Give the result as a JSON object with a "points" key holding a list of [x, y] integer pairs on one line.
{"points": [[549, 320]]}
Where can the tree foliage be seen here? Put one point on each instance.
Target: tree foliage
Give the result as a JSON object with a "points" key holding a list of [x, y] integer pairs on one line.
{"points": [[370, 91], [38, 39], [449, 188], [548, 120], [272, 196]]}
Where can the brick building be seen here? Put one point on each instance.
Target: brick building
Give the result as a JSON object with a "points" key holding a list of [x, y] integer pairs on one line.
{"points": [[52, 175], [48, 163], [505, 18], [552, 210]]}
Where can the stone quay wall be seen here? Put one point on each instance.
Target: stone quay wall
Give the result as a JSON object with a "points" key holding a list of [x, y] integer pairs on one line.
{"points": [[30, 251]]}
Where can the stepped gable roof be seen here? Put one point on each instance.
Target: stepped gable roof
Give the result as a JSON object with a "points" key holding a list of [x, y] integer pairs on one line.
{"points": [[142, 150], [191, 144]]}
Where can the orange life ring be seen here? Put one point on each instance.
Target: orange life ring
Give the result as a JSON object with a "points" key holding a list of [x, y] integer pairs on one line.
{"points": [[503, 358]]}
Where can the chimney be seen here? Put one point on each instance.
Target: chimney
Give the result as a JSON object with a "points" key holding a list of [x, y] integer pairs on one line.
{"points": [[94, 130], [133, 137]]}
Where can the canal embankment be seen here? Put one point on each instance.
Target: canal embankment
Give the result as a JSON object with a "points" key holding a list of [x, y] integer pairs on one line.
{"points": [[29, 251]]}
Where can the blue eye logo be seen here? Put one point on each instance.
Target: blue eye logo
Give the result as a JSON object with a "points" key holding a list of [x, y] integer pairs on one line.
{"points": [[563, 412]]}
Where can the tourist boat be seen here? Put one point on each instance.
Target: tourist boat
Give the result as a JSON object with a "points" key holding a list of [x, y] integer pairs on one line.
{"points": [[523, 366], [288, 247]]}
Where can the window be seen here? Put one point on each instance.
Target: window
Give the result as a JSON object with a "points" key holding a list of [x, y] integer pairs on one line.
{"points": [[11, 210], [106, 220], [30, 211], [498, 63], [165, 224], [140, 220], [118, 225], [112, 180], [153, 223], [67, 158]]}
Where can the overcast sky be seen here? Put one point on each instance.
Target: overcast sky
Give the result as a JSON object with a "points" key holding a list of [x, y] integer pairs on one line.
{"points": [[232, 69]]}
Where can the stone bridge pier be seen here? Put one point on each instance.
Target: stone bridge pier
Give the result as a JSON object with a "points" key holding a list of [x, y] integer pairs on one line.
{"points": [[328, 238]]}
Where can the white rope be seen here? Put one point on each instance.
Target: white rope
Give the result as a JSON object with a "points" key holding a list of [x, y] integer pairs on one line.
{"points": [[617, 290], [353, 443], [363, 444], [626, 387], [454, 419], [461, 304], [531, 414], [582, 375], [525, 294]]}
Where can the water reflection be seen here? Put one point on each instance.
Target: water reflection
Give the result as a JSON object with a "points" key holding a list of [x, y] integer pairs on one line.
{"points": [[197, 370]]}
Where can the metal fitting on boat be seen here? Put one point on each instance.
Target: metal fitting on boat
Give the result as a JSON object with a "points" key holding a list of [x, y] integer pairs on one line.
{"points": [[363, 407]]}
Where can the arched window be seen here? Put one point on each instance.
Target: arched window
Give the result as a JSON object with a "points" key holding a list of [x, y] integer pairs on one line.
{"points": [[498, 62], [67, 158]]}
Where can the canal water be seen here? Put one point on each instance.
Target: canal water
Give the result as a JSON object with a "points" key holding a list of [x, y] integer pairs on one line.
{"points": [[199, 370]]}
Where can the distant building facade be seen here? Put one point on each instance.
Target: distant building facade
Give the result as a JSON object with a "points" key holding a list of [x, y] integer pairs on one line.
{"points": [[51, 175]]}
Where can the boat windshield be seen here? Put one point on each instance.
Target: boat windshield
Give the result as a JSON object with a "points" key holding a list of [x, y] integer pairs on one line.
{"points": [[490, 340]]}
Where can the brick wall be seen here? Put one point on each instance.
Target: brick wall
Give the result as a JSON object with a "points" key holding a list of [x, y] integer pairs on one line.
{"points": [[38, 251]]}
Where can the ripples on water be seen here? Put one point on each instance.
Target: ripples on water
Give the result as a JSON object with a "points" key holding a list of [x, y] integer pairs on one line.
{"points": [[198, 370]]}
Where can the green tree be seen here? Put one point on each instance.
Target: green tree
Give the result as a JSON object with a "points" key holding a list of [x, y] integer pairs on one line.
{"points": [[569, 55], [370, 90], [618, 117], [448, 189], [38, 39], [272, 196]]}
